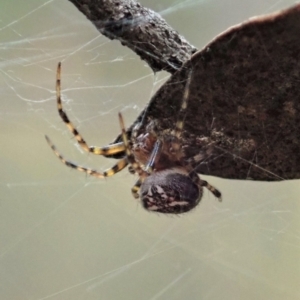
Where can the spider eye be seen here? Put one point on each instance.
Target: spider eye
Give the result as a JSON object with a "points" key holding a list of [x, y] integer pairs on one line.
{"points": [[170, 191]]}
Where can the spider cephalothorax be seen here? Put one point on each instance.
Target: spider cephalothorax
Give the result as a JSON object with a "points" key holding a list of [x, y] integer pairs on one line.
{"points": [[167, 183]]}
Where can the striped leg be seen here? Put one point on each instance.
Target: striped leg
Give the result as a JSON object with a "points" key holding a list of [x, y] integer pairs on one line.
{"points": [[136, 188], [183, 108], [120, 165], [108, 150], [203, 183], [212, 189], [134, 165]]}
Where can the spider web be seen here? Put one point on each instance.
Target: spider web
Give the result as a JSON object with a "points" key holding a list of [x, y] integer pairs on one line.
{"points": [[68, 236]]}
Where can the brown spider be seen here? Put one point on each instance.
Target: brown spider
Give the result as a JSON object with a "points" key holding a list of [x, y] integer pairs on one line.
{"points": [[167, 183]]}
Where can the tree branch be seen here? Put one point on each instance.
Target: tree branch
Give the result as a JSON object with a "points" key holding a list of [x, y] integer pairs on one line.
{"points": [[141, 29]]}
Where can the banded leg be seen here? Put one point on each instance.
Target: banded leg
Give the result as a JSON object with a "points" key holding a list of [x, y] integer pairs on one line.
{"points": [[107, 150], [203, 183], [133, 164], [136, 188], [212, 189], [183, 108], [120, 165]]}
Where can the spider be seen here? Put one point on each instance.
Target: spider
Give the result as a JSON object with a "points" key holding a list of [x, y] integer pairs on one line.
{"points": [[167, 183]]}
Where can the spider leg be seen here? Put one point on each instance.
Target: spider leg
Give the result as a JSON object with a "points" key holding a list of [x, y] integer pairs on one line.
{"points": [[183, 108], [203, 183], [177, 132], [134, 165], [107, 150], [136, 188], [192, 162], [120, 165], [212, 189], [131, 170]]}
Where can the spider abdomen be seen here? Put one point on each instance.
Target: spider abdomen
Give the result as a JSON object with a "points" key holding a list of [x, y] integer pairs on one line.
{"points": [[170, 191]]}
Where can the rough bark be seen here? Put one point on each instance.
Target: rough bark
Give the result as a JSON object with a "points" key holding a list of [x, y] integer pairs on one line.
{"points": [[141, 29]]}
